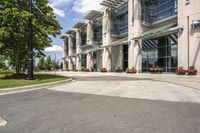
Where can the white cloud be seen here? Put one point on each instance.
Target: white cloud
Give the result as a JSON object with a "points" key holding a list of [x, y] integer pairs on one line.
{"points": [[57, 11], [59, 3], [83, 6], [54, 48]]}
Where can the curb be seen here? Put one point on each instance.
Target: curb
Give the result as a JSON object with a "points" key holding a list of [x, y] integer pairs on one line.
{"points": [[51, 84]]}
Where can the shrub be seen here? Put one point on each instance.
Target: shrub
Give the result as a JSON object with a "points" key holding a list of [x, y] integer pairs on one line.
{"points": [[3, 71], [131, 70]]}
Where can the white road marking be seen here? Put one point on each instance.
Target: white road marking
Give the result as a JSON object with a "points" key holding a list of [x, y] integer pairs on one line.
{"points": [[2, 122]]}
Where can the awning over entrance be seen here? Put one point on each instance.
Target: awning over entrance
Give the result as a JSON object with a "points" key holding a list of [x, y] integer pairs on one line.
{"points": [[113, 3], [152, 45], [122, 41], [90, 48], [168, 29]]}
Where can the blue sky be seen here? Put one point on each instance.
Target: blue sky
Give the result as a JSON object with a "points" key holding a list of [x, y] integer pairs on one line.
{"points": [[68, 12]]}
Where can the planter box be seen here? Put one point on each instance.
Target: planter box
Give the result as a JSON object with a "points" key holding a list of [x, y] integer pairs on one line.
{"points": [[156, 71]]}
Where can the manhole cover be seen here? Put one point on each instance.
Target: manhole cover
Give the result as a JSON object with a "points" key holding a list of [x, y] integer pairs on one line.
{"points": [[2, 122]]}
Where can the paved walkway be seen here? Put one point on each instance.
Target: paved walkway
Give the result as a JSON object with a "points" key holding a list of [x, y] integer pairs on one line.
{"points": [[141, 86]]}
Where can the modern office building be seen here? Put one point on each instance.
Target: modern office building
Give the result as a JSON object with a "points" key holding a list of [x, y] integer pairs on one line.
{"points": [[136, 33]]}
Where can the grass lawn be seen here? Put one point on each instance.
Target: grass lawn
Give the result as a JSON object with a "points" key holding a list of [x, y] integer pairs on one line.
{"points": [[39, 79]]}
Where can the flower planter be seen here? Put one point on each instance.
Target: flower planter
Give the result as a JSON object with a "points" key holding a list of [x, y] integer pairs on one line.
{"points": [[103, 70], [131, 70], [192, 72], [181, 71], [155, 70]]}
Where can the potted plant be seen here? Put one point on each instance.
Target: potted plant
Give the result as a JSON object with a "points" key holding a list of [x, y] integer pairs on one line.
{"points": [[118, 69], [75, 70], [103, 70], [181, 71], [156, 69], [131, 70], [192, 70]]}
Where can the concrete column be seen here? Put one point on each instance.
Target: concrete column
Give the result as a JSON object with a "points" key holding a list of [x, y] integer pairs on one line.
{"points": [[90, 61], [106, 61], [135, 47], [78, 50], [70, 64], [90, 41], [64, 54]]}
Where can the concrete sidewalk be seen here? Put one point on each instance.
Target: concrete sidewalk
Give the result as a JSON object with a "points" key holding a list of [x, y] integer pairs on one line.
{"points": [[184, 80]]}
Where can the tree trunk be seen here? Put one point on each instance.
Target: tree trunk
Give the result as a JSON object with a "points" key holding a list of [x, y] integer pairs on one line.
{"points": [[17, 69]]}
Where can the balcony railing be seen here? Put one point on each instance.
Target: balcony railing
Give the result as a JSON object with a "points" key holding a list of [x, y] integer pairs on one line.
{"points": [[154, 13]]}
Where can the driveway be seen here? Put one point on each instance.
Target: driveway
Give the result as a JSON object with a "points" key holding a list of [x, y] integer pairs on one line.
{"points": [[129, 87], [103, 104]]}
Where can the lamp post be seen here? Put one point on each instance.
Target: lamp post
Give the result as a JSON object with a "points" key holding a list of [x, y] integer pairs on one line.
{"points": [[30, 45]]}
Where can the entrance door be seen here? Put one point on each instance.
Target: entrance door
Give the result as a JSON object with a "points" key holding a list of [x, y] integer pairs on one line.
{"points": [[161, 52], [125, 56]]}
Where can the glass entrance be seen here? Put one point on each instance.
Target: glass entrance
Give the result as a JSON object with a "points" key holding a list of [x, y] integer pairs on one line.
{"points": [[83, 61], [125, 55], [161, 52]]}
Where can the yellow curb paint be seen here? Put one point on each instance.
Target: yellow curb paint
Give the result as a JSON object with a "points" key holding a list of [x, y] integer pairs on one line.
{"points": [[2, 122]]}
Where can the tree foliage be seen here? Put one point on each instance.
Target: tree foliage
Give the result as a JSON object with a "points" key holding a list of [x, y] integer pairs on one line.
{"points": [[14, 29]]}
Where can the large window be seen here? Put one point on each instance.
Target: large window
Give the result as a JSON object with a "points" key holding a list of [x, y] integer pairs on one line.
{"points": [[83, 60], [83, 32], [119, 20], [74, 43], [154, 11], [160, 52], [97, 31]]}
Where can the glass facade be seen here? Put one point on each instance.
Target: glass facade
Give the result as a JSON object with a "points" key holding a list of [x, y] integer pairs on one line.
{"points": [[119, 20], [125, 56], [83, 61], [97, 31], [154, 11], [83, 32], [160, 52], [74, 43], [94, 61], [67, 46]]}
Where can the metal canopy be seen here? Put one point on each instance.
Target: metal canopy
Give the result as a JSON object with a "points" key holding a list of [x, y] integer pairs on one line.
{"points": [[113, 3], [70, 31], [79, 24], [118, 42], [92, 50], [89, 46], [169, 29], [91, 14]]}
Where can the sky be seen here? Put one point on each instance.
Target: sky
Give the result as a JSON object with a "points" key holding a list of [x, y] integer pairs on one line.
{"points": [[68, 12]]}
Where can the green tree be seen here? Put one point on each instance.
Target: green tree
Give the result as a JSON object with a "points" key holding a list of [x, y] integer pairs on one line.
{"points": [[14, 29], [41, 62], [48, 64], [2, 63]]}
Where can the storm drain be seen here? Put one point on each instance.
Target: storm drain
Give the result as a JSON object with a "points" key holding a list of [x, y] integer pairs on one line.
{"points": [[2, 122]]}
